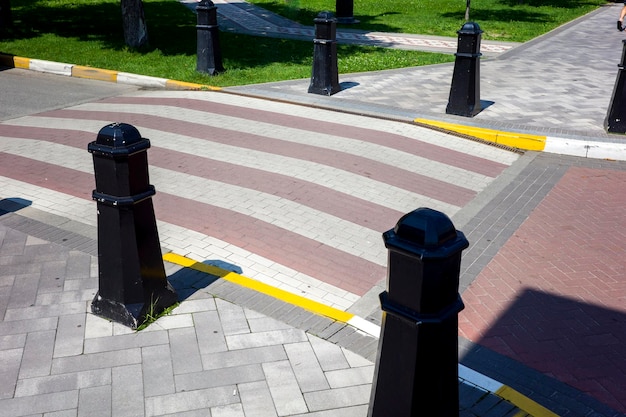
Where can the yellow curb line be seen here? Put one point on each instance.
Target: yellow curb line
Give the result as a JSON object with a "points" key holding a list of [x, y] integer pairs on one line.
{"points": [[525, 404], [80, 71], [515, 140], [255, 285]]}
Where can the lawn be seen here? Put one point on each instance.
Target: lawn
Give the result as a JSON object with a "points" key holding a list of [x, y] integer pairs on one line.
{"points": [[505, 20], [88, 32]]}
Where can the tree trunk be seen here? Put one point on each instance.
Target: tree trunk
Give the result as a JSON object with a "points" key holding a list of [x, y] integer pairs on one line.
{"points": [[467, 9], [134, 23]]}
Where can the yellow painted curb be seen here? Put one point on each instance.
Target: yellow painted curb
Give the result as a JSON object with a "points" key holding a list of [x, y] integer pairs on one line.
{"points": [[524, 403], [515, 140], [94, 73], [182, 85], [252, 284], [14, 61]]}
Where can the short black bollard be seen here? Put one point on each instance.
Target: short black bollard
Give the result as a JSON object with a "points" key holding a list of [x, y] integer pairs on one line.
{"points": [[615, 121], [209, 53], [417, 366], [465, 90], [344, 9], [325, 73], [131, 278]]}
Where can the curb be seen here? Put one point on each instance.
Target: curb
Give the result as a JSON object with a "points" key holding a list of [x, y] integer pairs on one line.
{"points": [[80, 71], [540, 143], [480, 381]]}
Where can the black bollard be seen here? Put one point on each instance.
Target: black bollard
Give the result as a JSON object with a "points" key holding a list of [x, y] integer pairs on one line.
{"points": [[325, 73], [6, 20], [209, 53], [417, 365], [465, 90], [615, 121], [131, 279], [344, 9]]}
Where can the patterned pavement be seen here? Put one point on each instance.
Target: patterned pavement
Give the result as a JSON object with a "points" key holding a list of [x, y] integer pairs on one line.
{"points": [[297, 197]]}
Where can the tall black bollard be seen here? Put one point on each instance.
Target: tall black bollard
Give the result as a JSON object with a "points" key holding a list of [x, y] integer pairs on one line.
{"points": [[417, 366], [465, 90], [325, 73], [209, 53], [344, 9], [615, 121], [131, 280]]}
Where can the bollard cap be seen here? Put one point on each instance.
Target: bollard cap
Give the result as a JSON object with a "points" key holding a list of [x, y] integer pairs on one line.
{"points": [[425, 233], [470, 28], [325, 17], [118, 139], [425, 227], [205, 4]]}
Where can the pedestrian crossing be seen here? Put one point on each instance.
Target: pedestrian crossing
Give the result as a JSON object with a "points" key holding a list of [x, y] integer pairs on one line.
{"points": [[292, 196]]}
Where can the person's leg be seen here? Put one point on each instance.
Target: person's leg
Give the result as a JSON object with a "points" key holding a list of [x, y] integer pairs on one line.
{"points": [[620, 27]]}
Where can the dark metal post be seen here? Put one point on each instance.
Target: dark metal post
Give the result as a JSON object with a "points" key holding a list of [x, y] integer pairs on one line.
{"points": [[131, 280], [209, 52], [344, 9], [6, 20], [615, 121], [465, 91], [325, 73], [417, 366]]}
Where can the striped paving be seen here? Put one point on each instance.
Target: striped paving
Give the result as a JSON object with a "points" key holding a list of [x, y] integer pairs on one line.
{"points": [[291, 196]]}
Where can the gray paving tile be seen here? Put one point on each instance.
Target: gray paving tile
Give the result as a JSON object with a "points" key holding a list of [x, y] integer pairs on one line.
{"points": [[127, 341], [127, 391], [95, 401], [37, 359], [218, 377], [209, 332], [64, 382], [232, 317], [283, 387], [330, 356], [338, 398], [45, 403], [306, 367], [96, 361], [349, 377], [70, 335], [269, 338], [185, 353], [256, 399], [193, 400], [244, 357], [10, 364], [158, 374]]}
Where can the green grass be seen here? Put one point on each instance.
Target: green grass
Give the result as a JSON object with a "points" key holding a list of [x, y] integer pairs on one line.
{"points": [[88, 32], [506, 20]]}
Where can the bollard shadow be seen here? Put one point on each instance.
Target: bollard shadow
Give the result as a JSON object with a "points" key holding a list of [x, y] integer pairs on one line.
{"points": [[13, 204], [485, 104], [189, 280], [345, 85], [579, 344]]}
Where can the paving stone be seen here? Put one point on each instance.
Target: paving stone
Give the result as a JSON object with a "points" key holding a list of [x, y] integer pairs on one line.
{"points": [[232, 317], [193, 400], [70, 335], [306, 367], [269, 338], [185, 353], [244, 357], [158, 374], [230, 410], [127, 391], [126, 341], [349, 377], [63, 382], [283, 387], [338, 398], [95, 361], [330, 356], [218, 377], [37, 359], [256, 399], [95, 401], [10, 364], [45, 403]]}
